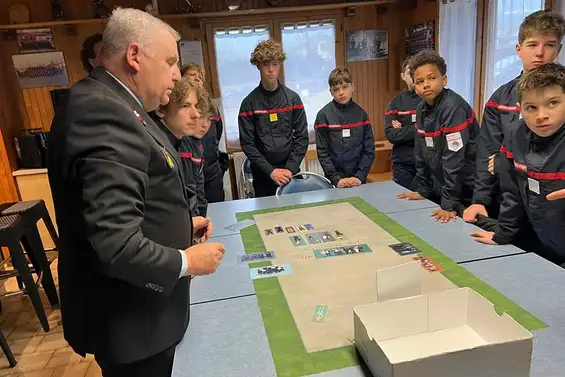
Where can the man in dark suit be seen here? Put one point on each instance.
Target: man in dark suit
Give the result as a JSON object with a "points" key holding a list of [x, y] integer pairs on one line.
{"points": [[129, 244]]}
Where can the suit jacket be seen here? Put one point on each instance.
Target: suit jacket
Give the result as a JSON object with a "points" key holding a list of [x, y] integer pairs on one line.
{"points": [[122, 214]]}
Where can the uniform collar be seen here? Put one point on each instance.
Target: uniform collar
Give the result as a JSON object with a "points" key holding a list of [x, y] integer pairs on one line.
{"points": [[175, 142], [438, 100], [269, 92], [126, 88], [342, 106]]}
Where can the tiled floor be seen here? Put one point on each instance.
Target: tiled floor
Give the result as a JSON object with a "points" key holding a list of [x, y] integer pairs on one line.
{"points": [[39, 354]]}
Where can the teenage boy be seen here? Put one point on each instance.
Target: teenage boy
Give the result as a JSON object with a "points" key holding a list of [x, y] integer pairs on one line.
{"points": [[215, 161], [344, 135], [533, 165], [273, 130], [400, 118], [445, 147], [539, 43]]}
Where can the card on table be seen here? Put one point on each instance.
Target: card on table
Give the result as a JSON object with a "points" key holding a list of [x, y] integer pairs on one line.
{"points": [[320, 313], [326, 237], [339, 235], [297, 241], [290, 229], [405, 248], [279, 229], [313, 238], [428, 264], [309, 226], [240, 225], [269, 271], [255, 257], [345, 250]]}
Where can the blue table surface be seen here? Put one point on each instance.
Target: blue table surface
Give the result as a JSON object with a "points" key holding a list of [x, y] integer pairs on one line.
{"points": [[226, 336]]}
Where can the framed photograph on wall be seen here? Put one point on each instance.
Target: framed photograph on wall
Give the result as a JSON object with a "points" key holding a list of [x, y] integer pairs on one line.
{"points": [[41, 69], [35, 40], [420, 37], [365, 45]]}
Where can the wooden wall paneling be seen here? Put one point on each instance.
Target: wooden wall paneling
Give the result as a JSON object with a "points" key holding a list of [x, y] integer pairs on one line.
{"points": [[479, 52], [8, 191]]}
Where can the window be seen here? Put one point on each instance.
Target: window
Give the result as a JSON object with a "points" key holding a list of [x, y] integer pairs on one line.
{"points": [[560, 8], [236, 76], [502, 62], [457, 45], [310, 51]]}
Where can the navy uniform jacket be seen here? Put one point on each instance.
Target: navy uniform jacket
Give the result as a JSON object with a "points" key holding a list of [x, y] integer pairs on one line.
{"points": [[500, 111], [344, 141], [403, 109], [445, 149], [123, 215], [211, 154], [533, 167], [273, 130], [191, 154]]}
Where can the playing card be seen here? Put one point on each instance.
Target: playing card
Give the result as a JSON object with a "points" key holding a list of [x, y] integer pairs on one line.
{"points": [[270, 271], [240, 225], [290, 229], [313, 238], [404, 248], [338, 234], [428, 264], [320, 313], [345, 250], [297, 241], [255, 257], [326, 237], [309, 226], [279, 229]]}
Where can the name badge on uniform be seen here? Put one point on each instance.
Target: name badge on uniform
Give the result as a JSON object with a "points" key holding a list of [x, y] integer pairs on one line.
{"points": [[273, 117], [429, 142], [454, 141], [533, 185], [413, 118], [168, 158], [346, 132]]}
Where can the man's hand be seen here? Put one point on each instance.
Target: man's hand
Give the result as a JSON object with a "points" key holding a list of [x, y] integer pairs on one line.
{"points": [[555, 195], [484, 237], [444, 216], [281, 176], [470, 213], [396, 124], [354, 182], [410, 195], [202, 228], [203, 259], [344, 182], [491, 164]]}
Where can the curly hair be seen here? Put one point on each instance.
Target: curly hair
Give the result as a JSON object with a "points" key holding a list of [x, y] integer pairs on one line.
{"points": [[552, 74], [205, 106], [266, 52], [192, 66], [543, 22], [339, 76], [88, 51], [425, 57]]}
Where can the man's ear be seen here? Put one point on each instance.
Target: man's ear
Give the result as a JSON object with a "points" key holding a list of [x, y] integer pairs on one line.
{"points": [[444, 80], [133, 55], [159, 112]]}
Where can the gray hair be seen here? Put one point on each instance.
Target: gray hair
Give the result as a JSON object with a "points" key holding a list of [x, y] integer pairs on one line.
{"points": [[127, 25]]}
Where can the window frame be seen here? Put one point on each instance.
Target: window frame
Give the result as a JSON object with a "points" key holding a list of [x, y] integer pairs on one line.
{"points": [[274, 24]]}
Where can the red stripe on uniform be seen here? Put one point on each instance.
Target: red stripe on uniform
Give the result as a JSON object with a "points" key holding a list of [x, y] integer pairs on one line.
{"points": [[216, 118], [272, 111], [502, 107], [343, 126], [447, 130], [557, 176], [185, 155], [504, 150]]}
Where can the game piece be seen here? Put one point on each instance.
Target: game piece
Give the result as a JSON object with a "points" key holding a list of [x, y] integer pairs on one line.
{"points": [[320, 313], [338, 235], [301, 228], [309, 226], [240, 225], [404, 249], [279, 229], [269, 232], [255, 257], [290, 229], [297, 240], [327, 237], [313, 238], [269, 271]]}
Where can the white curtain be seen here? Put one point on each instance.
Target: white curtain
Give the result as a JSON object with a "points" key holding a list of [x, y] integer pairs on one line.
{"points": [[457, 41], [502, 62]]}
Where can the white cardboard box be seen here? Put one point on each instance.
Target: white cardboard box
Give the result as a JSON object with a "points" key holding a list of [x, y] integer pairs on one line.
{"points": [[449, 333]]}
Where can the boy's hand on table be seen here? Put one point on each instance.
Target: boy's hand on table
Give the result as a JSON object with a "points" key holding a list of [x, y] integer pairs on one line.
{"points": [[349, 182], [484, 237], [410, 195], [471, 212], [444, 216], [343, 183]]}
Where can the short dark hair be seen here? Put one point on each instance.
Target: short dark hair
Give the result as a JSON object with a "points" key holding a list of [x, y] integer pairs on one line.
{"points": [[88, 51], [338, 76], [551, 74], [427, 57], [542, 22]]}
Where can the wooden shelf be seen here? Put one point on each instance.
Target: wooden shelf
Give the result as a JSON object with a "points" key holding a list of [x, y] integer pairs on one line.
{"points": [[238, 13]]}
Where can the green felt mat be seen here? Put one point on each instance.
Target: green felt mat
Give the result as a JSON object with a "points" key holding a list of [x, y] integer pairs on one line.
{"points": [[289, 355]]}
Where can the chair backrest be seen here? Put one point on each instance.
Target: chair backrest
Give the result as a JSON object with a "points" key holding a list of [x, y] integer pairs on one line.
{"points": [[305, 181], [247, 178], [311, 155]]}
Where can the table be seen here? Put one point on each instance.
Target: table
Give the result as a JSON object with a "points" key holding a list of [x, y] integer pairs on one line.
{"points": [[226, 336]]}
